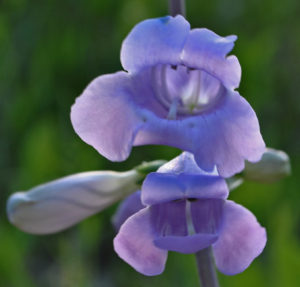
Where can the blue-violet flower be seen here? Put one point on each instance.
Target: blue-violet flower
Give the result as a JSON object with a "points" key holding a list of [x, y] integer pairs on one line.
{"points": [[178, 91], [186, 211]]}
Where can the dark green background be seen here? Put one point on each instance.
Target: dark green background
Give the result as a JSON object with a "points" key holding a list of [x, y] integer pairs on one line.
{"points": [[50, 50]]}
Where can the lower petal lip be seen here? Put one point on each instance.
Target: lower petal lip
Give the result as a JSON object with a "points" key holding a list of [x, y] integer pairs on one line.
{"points": [[186, 244]]}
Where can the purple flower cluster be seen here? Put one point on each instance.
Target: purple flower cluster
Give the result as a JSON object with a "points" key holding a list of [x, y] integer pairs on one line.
{"points": [[178, 90]]}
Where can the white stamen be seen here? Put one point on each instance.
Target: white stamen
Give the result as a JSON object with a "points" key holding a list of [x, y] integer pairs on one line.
{"points": [[196, 94], [173, 110], [159, 74], [192, 92], [189, 222]]}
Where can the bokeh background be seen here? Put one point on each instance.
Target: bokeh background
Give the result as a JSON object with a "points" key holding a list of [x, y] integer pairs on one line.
{"points": [[50, 50]]}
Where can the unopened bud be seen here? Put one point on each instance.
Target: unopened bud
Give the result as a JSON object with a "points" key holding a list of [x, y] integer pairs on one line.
{"points": [[273, 166], [234, 182], [59, 204]]}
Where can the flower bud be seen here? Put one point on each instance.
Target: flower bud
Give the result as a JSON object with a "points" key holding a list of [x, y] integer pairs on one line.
{"points": [[59, 204], [274, 165], [234, 182]]}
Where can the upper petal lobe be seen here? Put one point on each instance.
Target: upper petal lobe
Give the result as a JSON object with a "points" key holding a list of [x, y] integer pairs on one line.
{"points": [[154, 41], [104, 117], [207, 51]]}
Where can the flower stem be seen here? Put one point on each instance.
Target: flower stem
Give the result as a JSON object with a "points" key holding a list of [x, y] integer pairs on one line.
{"points": [[206, 269], [177, 7]]}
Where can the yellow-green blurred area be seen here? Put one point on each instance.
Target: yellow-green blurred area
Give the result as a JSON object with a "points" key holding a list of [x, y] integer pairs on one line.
{"points": [[50, 50]]}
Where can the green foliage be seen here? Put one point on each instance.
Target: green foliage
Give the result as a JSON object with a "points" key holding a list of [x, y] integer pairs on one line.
{"points": [[50, 50]]}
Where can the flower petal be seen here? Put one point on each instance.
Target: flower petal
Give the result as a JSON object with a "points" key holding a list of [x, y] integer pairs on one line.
{"points": [[207, 51], [59, 204], [134, 244], [228, 135], [171, 224], [169, 219], [104, 117], [225, 136], [207, 215], [162, 187], [184, 163], [186, 244], [204, 186], [128, 207], [154, 41], [177, 133], [241, 240]]}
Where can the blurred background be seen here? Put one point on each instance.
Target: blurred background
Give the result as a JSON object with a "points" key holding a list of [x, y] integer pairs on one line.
{"points": [[49, 52]]}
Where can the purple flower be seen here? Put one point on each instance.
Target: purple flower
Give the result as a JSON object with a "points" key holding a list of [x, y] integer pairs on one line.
{"points": [[178, 91], [186, 211]]}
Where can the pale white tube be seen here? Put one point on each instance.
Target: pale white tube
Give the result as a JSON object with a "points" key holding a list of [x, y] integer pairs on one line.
{"points": [[61, 203]]}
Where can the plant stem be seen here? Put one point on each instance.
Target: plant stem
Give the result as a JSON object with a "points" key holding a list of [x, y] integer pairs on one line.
{"points": [[177, 7], [206, 269]]}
